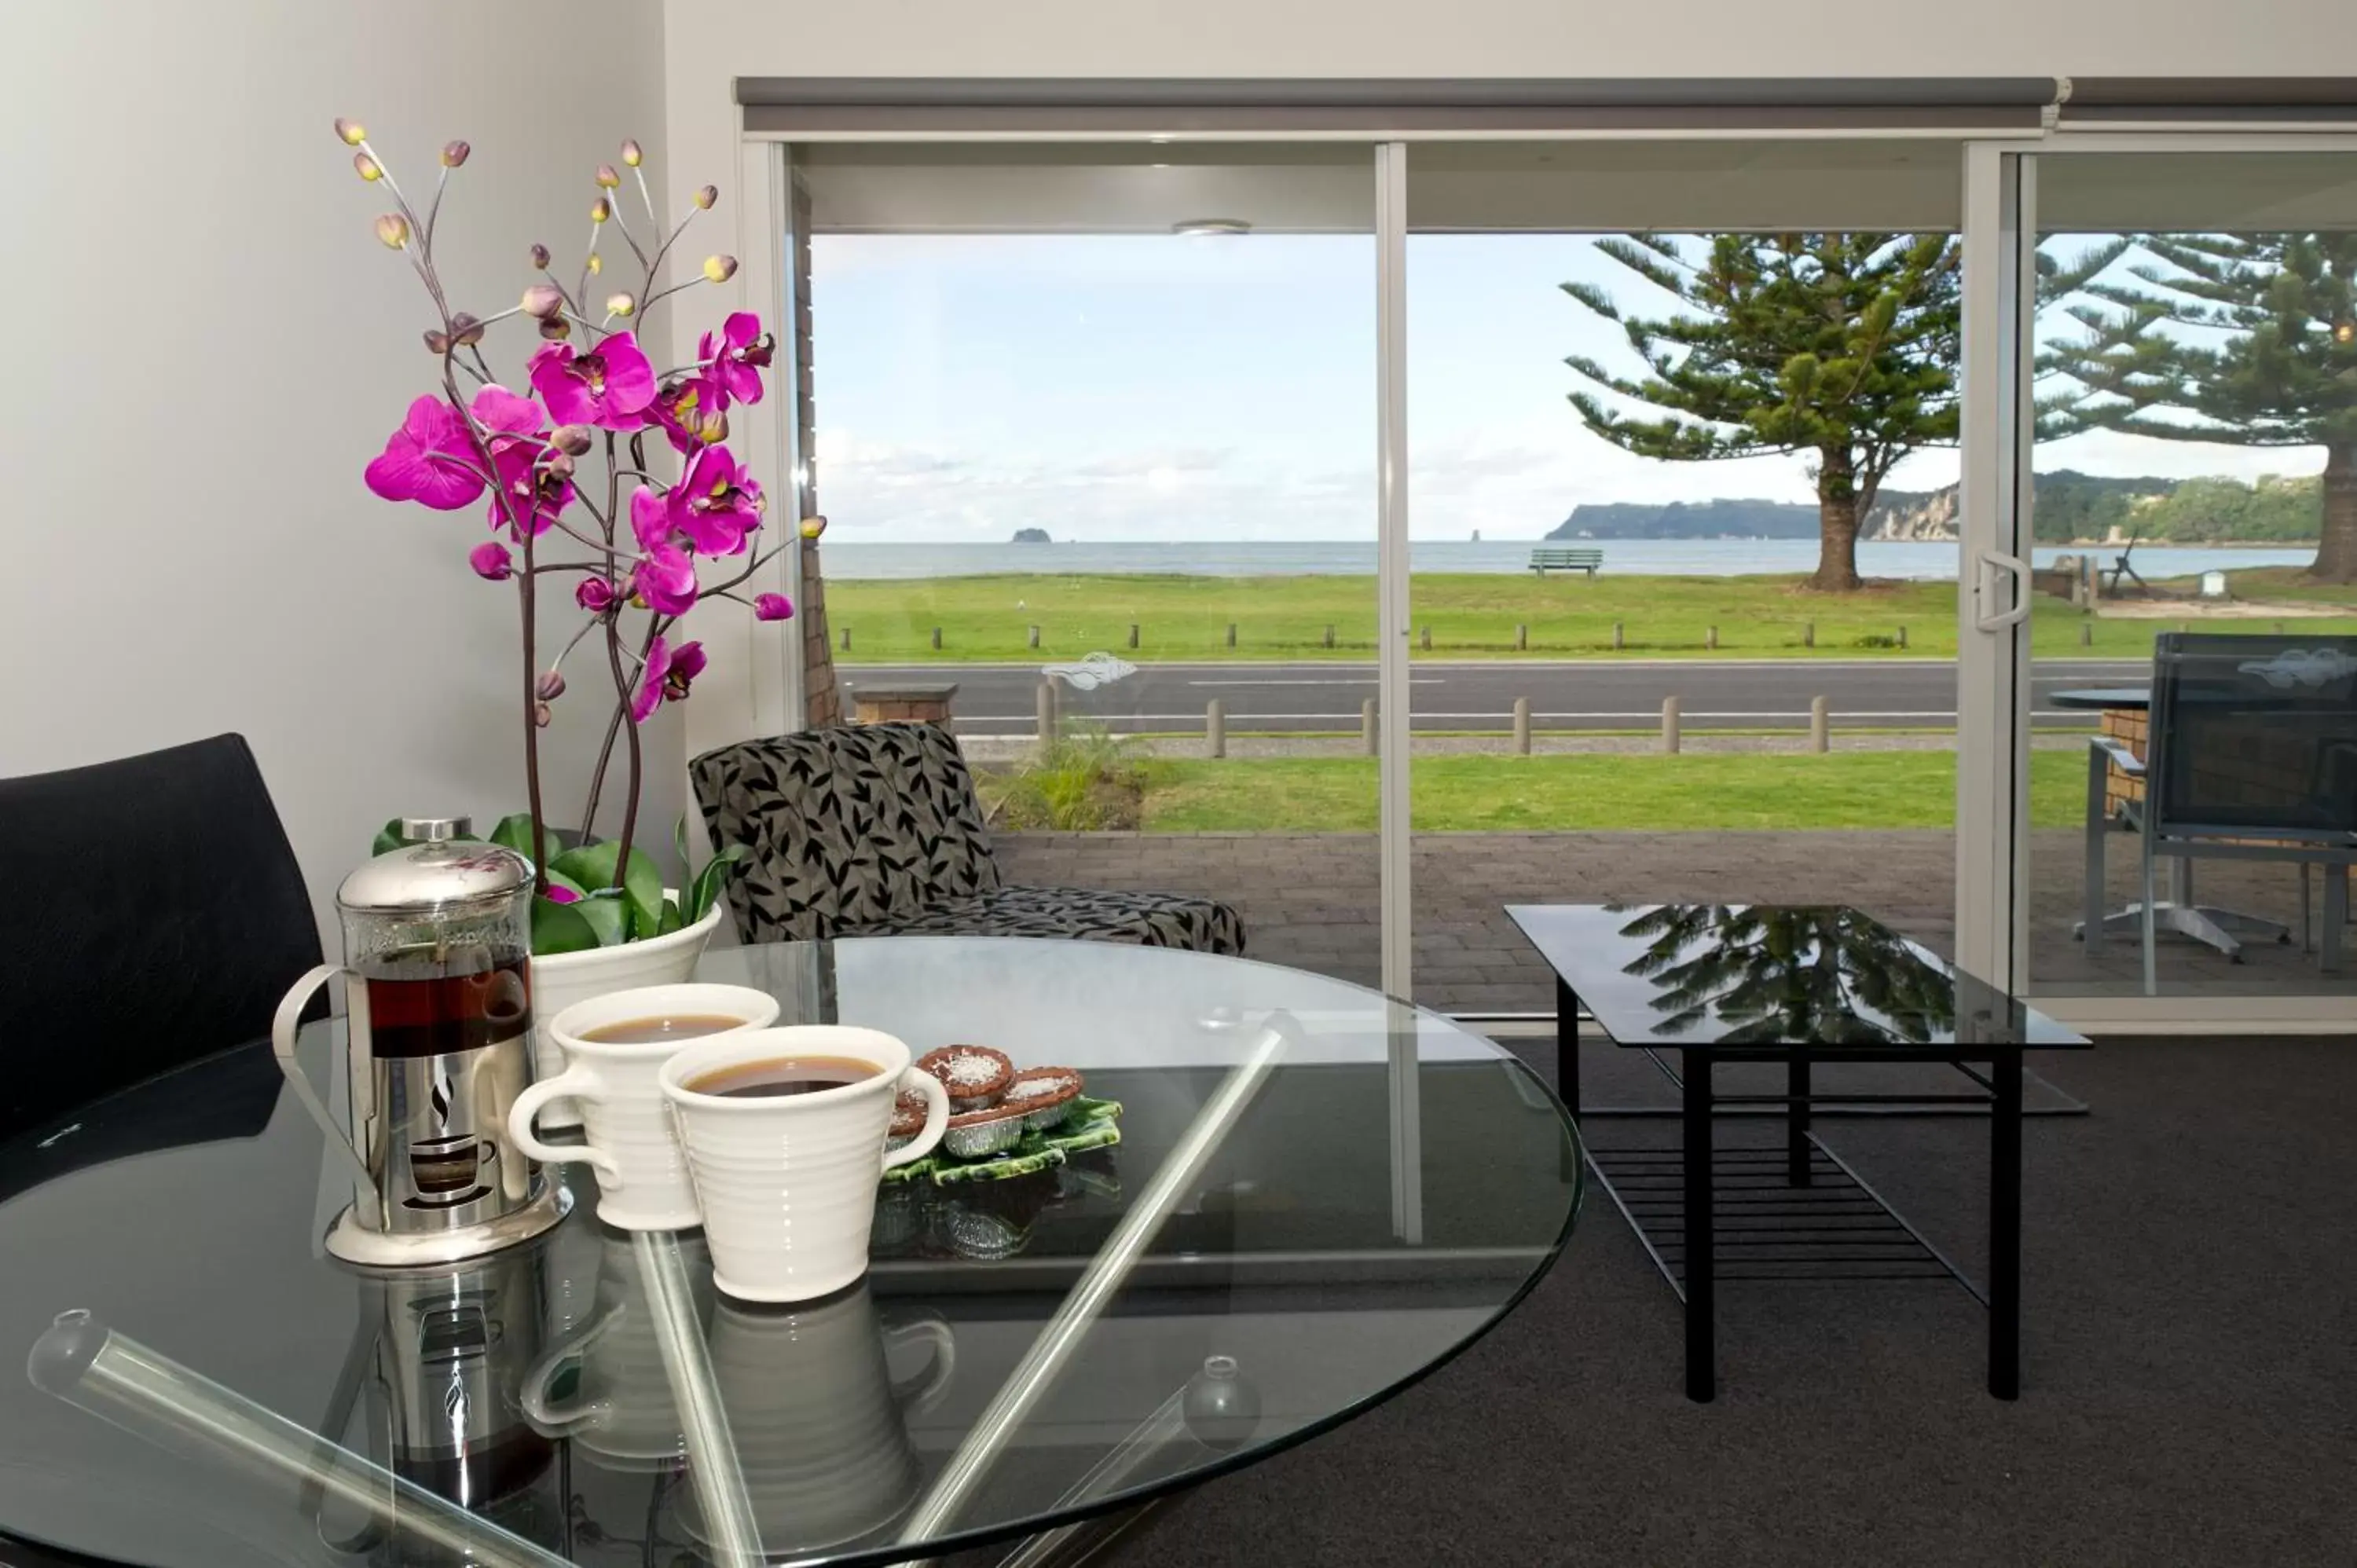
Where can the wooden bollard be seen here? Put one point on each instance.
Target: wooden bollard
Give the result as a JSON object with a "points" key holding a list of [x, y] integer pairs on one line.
{"points": [[2086, 634], [1619, 638], [1330, 637], [1521, 637], [1521, 727], [1046, 702], [1035, 636], [1367, 725], [1902, 637], [1710, 637], [1670, 726], [1808, 634], [1819, 723], [1427, 639], [937, 639], [1133, 634], [1215, 729], [1232, 634], [847, 639]]}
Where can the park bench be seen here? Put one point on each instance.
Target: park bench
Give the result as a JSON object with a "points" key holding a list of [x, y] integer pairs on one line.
{"points": [[1566, 558]]}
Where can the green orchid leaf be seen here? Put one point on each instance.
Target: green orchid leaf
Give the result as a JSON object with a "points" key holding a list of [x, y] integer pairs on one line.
{"points": [[592, 866], [388, 839], [679, 839], [608, 914], [671, 921], [514, 832], [560, 928], [705, 892]]}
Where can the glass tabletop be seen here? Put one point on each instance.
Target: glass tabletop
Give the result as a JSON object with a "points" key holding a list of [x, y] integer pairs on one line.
{"points": [[1318, 1196], [1731, 978]]}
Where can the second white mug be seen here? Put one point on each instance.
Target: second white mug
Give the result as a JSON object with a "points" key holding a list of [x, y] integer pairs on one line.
{"points": [[787, 1182], [642, 1181]]}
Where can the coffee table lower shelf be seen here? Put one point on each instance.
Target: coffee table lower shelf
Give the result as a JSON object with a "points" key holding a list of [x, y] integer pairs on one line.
{"points": [[1766, 1228]]}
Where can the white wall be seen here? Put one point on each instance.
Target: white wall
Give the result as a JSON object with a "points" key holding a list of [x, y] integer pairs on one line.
{"points": [[208, 345]]}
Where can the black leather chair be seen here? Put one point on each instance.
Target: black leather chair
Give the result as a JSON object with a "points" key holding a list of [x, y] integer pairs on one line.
{"points": [[153, 913]]}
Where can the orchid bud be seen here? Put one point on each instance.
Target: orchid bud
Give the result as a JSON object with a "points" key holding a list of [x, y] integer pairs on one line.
{"points": [[394, 229], [772, 606], [812, 526], [620, 305], [469, 328], [367, 168], [572, 439], [550, 687], [631, 155], [719, 268], [705, 195], [607, 177], [453, 153], [556, 328], [541, 715], [601, 210], [713, 429], [492, 560], [436, 341], [540, 257], [352, 131], [543, 300], [595, 594], [560, 465], [597, 263]]}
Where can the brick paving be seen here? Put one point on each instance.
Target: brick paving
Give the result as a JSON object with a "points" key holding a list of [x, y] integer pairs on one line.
{"points": [[1311, 899]]}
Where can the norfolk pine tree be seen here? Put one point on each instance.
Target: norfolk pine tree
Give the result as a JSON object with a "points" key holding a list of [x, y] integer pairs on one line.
{"points": [[1843, 346]]}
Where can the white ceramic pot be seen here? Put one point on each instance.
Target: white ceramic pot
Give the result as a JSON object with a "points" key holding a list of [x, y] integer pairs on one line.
{"points": [[559, 980]]}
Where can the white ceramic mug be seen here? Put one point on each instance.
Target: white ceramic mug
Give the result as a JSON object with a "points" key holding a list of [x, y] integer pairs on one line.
{"points": [[642, 1181], [818, 1424], [787, 1183], [620, 1405]]}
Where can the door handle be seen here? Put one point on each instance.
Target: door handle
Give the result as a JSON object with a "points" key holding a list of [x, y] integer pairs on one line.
{"points": [[2020, 571]]}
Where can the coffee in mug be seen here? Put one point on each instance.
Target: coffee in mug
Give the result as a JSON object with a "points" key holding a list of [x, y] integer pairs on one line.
{"points": [[663, 1028], [782, 1074]]}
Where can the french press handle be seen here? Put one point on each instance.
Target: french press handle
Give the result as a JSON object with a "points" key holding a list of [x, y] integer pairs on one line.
{"points": [[281, 1046]]}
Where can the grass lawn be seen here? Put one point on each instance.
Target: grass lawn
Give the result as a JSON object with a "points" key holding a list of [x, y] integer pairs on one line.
{"points": [[1456, 794], [1470, 615]]}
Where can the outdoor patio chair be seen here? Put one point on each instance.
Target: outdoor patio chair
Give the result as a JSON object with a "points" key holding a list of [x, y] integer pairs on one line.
{"points": [[871, 829], [2251, 754]]}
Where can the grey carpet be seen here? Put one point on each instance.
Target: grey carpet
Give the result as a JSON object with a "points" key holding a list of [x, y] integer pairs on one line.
{"points": [[2190, 1369]]}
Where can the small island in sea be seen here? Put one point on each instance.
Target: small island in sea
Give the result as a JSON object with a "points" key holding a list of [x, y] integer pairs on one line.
{"points": [[1032, 536]]}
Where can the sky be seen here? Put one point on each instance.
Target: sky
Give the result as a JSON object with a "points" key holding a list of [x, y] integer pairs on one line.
{"points": [[1166, 388]]}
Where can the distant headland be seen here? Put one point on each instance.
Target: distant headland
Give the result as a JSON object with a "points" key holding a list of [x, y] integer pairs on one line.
{"points": [[1032, 536]]}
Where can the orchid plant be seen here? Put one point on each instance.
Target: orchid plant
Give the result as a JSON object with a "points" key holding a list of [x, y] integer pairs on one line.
{"points": [[578, 496]]}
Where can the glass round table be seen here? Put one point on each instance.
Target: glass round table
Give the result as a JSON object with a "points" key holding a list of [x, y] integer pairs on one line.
{"points": [[1317, 1197]]}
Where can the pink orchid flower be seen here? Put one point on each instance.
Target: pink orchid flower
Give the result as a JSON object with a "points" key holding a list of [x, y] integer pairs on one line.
{"points": [[650, 518], [560, 893], [734, 360], [609, 386], [596, 595], [772, 606], [666, 579], [716, 503], [513, 429], [417, 463], [665, 677], [688, 415]]}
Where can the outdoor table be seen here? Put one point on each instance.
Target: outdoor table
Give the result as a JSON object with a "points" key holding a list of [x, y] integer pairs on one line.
{"points": [[1318, 1196], [1729, 983]]}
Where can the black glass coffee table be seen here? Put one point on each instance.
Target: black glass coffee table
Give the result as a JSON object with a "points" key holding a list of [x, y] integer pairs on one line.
{"points": [[1730, 983], [1319, 1197]]}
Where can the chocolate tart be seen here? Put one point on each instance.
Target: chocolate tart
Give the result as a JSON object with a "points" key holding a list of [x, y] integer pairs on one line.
{"points": [[908, 1120], [975, 1076], [1045, 1094], [993, 1130]]}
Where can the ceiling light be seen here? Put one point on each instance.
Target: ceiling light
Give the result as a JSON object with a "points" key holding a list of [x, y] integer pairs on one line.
{"points": [[1210, 226]]}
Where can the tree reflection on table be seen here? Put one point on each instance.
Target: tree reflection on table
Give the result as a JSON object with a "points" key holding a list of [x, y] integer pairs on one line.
{"points": [[1833, 976]]}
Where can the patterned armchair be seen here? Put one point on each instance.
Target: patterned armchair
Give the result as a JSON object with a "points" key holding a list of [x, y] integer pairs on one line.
{"points": [[872, 830]]}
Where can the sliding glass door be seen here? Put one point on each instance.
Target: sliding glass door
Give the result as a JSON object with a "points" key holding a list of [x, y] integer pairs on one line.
{"points": [[1092, 433]]}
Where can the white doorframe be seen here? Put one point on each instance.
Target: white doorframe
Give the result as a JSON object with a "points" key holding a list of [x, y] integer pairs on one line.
{"points": [[1993, 593], [1392, 563]]}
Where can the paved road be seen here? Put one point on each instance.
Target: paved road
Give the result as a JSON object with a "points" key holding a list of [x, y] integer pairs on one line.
{"points": [[1001, 699]]}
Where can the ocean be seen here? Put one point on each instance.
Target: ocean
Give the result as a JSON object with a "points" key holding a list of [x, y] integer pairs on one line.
{"points": [[848, 558]]}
